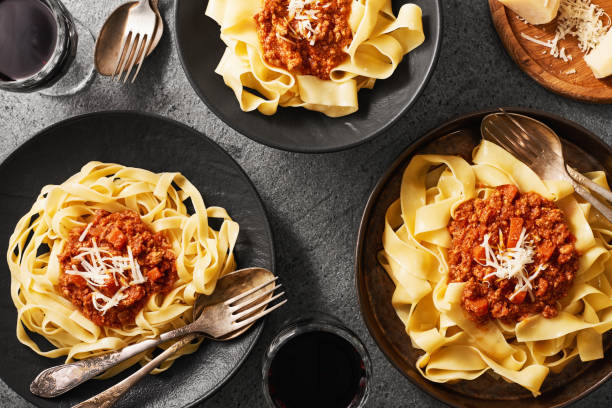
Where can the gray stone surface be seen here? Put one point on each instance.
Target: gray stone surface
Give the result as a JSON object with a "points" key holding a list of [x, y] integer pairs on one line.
{"points": [[314, 201]]}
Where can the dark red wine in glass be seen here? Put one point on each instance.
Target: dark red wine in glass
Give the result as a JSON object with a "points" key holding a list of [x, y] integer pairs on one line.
{"points": [[43, 48], [316, 362], [28, 36]]}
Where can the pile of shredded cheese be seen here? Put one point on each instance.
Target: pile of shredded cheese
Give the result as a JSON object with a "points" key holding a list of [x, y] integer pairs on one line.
{"points": [[510, 263], [99, 265], [305, 18], [580, 18]]}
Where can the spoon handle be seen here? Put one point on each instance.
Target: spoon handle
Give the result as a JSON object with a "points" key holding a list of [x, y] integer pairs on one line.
{"points": [[587, 182], [59, 379], [108, 398]]}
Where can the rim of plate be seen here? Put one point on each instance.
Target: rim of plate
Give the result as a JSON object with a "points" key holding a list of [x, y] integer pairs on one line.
{"points": [[408, 151], [235, 125], [259, 328]]}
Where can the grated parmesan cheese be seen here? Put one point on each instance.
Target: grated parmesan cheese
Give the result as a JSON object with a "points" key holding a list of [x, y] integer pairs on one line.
{"points": [[99, 265], [137, 276], [305, 17], [282, 37], [563, 56], [85, 231], [587, 22], [583, 20], [535, 40], [109, 303], [511, 262]]}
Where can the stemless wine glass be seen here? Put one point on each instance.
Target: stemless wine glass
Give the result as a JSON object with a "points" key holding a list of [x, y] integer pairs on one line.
{"points": [[316, 324], [68, 68]]}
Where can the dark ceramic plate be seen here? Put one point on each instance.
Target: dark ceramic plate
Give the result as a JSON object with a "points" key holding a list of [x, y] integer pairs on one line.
{"points": [[297, 129], [584, 151], [157, 144]]}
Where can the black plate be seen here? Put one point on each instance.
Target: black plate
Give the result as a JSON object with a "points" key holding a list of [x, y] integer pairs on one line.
{"points": [[297, 129], [584, 151], [157, 144]]}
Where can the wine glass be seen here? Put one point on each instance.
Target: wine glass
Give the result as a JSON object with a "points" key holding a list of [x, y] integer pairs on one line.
{"points": [[316, 360], [43, 48]]}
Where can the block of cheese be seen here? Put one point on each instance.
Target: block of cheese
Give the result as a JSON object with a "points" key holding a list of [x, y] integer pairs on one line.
{"points": [[534, 11], [600, 59]]}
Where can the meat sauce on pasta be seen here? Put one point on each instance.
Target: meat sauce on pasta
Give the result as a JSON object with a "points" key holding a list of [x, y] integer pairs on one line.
{"points": [[310, 40], [502, 218], [115, 259]]}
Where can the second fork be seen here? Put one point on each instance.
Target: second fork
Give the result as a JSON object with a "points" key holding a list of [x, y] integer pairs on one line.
{"points": [[139, 31]]}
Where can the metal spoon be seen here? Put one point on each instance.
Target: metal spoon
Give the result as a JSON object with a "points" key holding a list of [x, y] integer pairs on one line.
{"points": [[109, 42], [539, 147], [210, 318]]}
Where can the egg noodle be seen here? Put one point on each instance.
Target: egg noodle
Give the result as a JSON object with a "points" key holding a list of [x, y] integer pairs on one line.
{"points": [[380, 40], [416, 240], [203, 255]]}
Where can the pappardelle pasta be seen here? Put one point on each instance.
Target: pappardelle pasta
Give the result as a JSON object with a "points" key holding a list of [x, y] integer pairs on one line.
{"points": [[113, 256], [465, 333], [315, 54]]}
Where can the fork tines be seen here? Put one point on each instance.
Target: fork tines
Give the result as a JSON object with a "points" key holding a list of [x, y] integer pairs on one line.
{"points": [[134, 50], [246, 309]]}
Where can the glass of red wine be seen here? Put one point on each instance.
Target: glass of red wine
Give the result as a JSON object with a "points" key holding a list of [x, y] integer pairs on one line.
{"points": [[43, 48], [316, 361]]}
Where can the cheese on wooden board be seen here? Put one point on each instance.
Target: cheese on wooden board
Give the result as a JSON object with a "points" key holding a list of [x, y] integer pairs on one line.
{"points": [[600, 59], [534, 11]]}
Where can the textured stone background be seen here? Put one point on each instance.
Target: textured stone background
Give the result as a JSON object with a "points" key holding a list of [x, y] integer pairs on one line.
{"points": [[314, 201]]}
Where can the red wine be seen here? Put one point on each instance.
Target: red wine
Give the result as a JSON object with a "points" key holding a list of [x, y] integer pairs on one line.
{"points": [[28, 35], [316, 369]]}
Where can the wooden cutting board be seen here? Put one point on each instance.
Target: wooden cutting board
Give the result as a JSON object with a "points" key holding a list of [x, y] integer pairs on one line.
{"points": [[548, 71]]}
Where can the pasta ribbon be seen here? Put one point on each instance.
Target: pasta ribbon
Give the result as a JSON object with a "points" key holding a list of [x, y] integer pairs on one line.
{"points": [[203, 255], [415, 240]]}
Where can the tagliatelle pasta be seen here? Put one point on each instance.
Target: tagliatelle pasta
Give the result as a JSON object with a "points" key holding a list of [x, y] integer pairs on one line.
{"points": [[203, 255], [379, 42], [416, 241]]}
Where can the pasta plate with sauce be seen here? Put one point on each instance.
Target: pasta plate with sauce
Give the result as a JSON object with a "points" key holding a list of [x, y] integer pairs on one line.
{"points": [[495, 270], [315, 54], [113, 256]]}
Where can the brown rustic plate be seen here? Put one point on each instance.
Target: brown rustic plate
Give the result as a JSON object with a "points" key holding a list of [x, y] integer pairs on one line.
{"points": [[375, 288], [548, 71]]}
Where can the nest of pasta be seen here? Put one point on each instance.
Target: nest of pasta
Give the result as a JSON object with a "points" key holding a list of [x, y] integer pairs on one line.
{"points": [[191, 257]]}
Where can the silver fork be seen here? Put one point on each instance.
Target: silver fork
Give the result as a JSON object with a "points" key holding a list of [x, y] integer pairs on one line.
{"points": [[136, 40], [536, 145], [214, 321], [110, 396]]}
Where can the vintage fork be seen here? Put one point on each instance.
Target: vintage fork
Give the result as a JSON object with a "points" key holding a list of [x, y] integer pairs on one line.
{"points": [[536, 145], [214, 321], [110, 396], [136, 40]]}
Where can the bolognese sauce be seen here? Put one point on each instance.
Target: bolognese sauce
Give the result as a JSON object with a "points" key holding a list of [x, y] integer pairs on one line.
{"points": [[305, 36], [488, 232], [113, 265]]}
